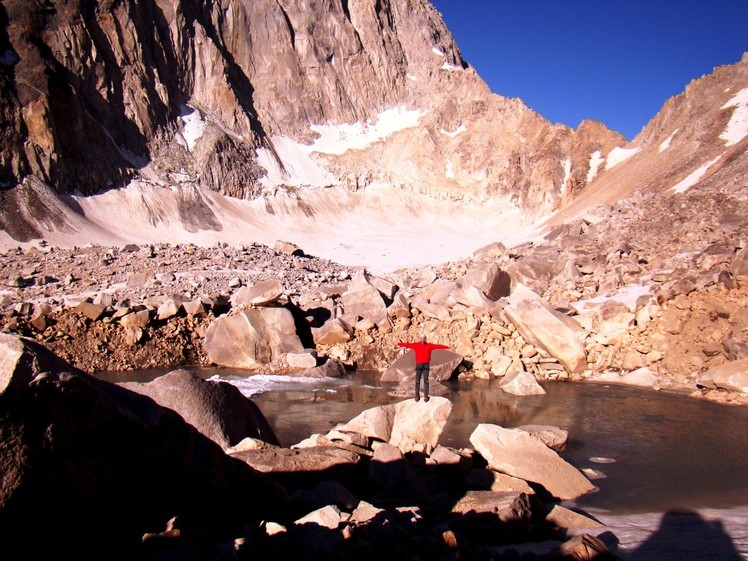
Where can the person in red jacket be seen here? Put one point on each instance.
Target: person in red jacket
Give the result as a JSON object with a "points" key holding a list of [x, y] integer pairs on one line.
{"points": [[422, 351]]}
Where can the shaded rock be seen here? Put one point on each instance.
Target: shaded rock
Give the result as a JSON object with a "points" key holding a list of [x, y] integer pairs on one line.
{"points": [[302, 468], [21, 359], [492, 517], [563, 517], [83, 455], [217, 409]]}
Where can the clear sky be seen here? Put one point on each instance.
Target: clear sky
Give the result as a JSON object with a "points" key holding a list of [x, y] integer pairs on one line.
{"points": [[616, 61]]}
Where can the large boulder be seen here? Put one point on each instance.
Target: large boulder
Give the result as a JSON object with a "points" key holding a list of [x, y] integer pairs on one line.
{"points": [[442, 366], [520, 454], [410, 425], [89, 465], [260, 294], [520, 382], [216, 409], [362, 300], [492, 281], [539, 324], [252, 338], [731, 376]]}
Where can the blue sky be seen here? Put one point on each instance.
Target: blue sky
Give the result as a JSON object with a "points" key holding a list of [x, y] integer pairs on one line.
{"points": [[616, 61]]}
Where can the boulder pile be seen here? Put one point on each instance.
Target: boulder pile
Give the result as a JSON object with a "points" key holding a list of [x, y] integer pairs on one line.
{"points": [[101, 470], [616, 296]]}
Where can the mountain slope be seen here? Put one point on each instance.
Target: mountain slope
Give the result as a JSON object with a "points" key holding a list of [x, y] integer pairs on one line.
{"points": [[336, 127]]}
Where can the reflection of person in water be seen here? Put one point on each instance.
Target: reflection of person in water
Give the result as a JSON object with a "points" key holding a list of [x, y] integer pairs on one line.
{"points": [[422, 349], [687, 536]]}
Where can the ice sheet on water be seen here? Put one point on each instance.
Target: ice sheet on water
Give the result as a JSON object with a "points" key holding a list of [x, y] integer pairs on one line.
{"points": [[262, 383]]}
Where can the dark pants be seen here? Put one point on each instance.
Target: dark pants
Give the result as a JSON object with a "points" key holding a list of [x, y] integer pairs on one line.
{"points": [[422, 369]]}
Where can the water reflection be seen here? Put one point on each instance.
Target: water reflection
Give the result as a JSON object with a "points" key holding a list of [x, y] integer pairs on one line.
{"points": [[661, 451]]}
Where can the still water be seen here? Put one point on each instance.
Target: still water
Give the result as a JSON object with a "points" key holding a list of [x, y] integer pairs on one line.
{"points": [[650, 451]]}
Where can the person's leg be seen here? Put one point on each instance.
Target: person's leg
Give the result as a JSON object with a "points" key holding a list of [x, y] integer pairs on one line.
{"points": [[426, 382], [419, 373]]}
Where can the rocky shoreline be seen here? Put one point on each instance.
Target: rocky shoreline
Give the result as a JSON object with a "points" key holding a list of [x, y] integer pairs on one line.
{"points": [[663, 314]]}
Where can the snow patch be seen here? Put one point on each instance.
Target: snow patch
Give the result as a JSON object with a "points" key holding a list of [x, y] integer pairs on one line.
{"points": [[666, 143], [447, 66], [737, 128], [338, 139], [193, 126], [459, 130], [437, 51], [693, 178], [626, 295], [449, 172], [596, 160], [567, 175], [291, 163], [618, 155]]}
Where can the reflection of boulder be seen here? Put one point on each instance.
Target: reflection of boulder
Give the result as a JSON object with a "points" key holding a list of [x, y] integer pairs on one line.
{"points": [[216, 409], [94, 464]]}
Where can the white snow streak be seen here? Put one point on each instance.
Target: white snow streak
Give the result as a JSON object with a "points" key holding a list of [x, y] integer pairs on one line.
{"points": [[618, 155], [596, 159], [737, 128], [567, 175], [338, 139], [459, 130], [436, 51], [666, 143], [693, 178]]}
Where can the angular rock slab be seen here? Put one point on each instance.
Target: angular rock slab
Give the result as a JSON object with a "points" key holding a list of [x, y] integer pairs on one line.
{"points": [[538, 323], [412, 426], [252, 338], [732, 376], [419, 424], [518, 453], [521, 383]]}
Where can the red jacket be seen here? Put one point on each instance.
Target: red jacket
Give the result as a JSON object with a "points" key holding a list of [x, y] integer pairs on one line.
{"points": [[422, 350]]}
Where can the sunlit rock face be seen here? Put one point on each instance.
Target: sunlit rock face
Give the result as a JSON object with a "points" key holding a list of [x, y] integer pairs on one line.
{"points": [[243, 97]]}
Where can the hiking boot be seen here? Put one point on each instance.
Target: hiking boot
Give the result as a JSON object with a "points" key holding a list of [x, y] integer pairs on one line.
{"points": [[417, 398], [426, 398]]}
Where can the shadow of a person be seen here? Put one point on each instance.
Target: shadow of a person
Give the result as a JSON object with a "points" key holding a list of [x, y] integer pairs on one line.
{"points": [[684, 535]]}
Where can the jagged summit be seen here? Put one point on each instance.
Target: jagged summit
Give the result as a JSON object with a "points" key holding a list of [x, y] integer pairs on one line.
{"points": [[341, 128]]}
